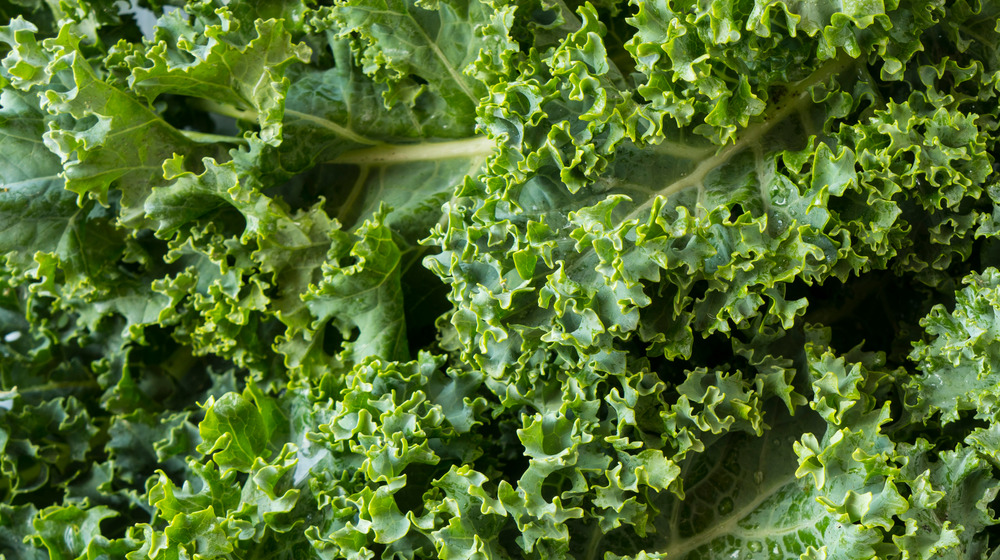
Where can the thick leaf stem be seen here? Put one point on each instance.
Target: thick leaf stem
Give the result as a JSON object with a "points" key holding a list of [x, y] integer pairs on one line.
{"points": [[225, 110], [387, 154], [59, 386], [379, 153], [206, 138]]}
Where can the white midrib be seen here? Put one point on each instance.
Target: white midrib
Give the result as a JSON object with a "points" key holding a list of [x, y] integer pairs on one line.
{"points": [[729, 526], [387, 154], [378, 153]]}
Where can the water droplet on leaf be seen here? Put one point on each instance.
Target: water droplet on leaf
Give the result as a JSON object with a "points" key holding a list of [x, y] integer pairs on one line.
{"points": [[779, 195], [725, 506]]}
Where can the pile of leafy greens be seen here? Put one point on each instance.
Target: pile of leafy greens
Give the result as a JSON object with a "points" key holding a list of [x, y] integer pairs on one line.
{"points": [[487, 279]]}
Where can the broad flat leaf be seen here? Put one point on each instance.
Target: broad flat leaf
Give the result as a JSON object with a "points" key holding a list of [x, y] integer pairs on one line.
{"points": [[15, 527], [365, 295], [742, 497], [233, 431], [35, 210], [67, 531]]}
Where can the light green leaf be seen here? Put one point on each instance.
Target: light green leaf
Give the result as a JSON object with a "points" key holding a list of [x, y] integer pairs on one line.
{"points": [[365, 295], [201, 60], [66, 531], [233, 431], [434, 41], [957, 358], [742, 497]]}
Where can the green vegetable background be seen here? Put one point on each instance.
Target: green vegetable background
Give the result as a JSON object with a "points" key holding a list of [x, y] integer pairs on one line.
{"points": [[499, 279]]}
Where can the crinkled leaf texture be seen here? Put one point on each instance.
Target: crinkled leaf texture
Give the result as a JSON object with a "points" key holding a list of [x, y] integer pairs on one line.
{"points": [[495, 279]]}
